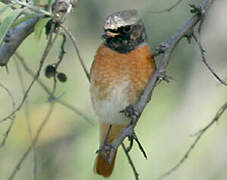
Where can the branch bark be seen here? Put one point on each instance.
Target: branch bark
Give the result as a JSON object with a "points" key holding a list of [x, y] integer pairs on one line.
{"points": [[199, 134], [136, 110]]}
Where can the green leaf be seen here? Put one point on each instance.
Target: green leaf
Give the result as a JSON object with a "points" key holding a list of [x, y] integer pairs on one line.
{"points": [[4, 8], [22, 19], [39, 27], [7, 22]]}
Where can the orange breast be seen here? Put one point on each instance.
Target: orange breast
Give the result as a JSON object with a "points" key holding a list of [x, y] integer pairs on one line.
{"points": [[110, 67], [128, 73]]}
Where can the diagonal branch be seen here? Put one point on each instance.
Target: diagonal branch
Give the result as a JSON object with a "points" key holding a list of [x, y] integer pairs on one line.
{"points": [[27, 118], [35, 140], [75, 44], [158, 75], [130, 162], [202, 51], [199, 135], [43, 58]]}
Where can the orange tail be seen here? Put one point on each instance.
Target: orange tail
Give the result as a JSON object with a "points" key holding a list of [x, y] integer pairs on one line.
{"points": [[102, 167]]}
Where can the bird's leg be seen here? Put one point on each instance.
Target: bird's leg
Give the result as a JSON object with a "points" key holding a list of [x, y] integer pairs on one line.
{"points": [[133, 137], [131, 112], [106, 147]]}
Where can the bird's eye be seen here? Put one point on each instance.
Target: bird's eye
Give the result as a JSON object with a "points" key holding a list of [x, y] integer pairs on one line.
{"points": [[127, 29]]}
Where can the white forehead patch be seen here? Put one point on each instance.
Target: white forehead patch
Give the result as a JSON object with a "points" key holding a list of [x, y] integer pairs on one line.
{"points": [[122, 18]]}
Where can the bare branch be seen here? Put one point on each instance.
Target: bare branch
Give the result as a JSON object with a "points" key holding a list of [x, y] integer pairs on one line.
{"points": [[200, 134], [10, 95], [27, 118], [36, 138], [130, 162], [202, 51], [6, 133], [75, 44], [137, 109], [12, 114]]}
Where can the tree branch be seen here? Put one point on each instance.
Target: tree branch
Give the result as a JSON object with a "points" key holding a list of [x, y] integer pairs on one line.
{"points": [[202, 51], [75, 44], [130, 162], [36, 138], [35, 78], [27, 118], [136, 110], [199, 135]]}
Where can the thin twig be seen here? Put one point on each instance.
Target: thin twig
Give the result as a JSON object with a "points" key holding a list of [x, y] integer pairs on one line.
{"points": [[202, 51], [46, 52], [6, 133], [27, 118], [34, 142], [54, 98], [62, 51], [167, 9], [130, 162], [75, 44], [200, 134], [10, 95], [35, 78]]}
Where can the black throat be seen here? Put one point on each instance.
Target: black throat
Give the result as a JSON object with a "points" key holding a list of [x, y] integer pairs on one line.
{"points": [[126, 42]]}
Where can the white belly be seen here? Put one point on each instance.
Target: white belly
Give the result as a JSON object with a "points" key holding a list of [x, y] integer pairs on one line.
{"points": [[108, 109]]}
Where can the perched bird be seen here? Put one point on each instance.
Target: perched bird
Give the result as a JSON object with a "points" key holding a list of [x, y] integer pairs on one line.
{"points": [[121, 69]]}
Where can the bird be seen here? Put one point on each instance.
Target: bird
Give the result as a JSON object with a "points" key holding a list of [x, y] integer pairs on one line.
{"points": [[121, 69]]}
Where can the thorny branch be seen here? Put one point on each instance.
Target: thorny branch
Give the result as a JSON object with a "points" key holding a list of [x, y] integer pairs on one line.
{"points": [[199, 135], [134, 111]]}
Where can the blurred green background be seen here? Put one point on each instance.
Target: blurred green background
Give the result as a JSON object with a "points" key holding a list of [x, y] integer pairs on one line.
{"points": [[67, 146]]}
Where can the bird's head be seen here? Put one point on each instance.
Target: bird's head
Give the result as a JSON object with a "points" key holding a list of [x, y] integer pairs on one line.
{"points": [[124, 31]]}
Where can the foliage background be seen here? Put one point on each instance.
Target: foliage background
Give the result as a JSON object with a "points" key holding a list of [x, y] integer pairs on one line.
{"points": [[66, 149]]}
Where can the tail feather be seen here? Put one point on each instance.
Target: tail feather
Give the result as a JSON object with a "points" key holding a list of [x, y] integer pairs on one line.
{"points": [[102, 167]]}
